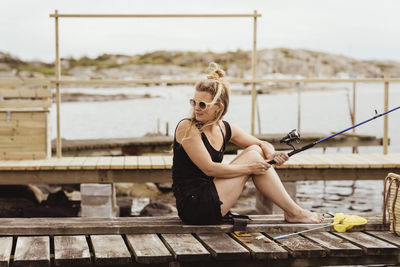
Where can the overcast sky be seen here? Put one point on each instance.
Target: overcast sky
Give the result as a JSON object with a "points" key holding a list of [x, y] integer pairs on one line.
{"points": [[363, 29]]}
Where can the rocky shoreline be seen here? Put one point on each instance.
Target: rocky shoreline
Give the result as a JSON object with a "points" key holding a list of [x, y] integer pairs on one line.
{"points": [[271, 63]]}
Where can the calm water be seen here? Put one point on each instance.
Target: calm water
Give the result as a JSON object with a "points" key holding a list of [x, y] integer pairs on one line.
{"points": [[321, 111]]}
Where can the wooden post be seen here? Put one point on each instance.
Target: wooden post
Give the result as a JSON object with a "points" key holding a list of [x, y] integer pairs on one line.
{"points": [[254, 71], [353, 113], [386, 118], [58, 94], [299, 107]]}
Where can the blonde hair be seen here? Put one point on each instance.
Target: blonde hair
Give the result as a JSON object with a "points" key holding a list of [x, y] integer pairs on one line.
{"points": [[220, 93]]}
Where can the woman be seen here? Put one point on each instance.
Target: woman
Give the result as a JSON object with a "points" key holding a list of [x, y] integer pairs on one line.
{"points": [[206, 189]]}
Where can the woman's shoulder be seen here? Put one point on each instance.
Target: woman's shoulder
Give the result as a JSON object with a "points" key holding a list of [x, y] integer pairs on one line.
{"points": [[185, 129]]}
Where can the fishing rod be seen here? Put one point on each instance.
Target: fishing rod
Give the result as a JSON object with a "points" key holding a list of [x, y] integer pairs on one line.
{"points": [[294, 135]]}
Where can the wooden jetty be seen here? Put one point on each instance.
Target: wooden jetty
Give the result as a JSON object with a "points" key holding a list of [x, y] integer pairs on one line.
{"points": [[165, 241], [77, 170], [161, 144]]}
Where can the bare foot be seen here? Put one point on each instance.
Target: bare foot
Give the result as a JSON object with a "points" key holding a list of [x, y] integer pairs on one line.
{"points": [[304, 216]]}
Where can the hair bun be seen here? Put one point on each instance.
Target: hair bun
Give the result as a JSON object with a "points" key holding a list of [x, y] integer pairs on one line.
{"points": [[215, 71]]}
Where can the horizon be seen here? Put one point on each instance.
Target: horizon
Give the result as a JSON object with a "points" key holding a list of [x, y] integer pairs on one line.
{"points": [[185, 51], [363, 30]]}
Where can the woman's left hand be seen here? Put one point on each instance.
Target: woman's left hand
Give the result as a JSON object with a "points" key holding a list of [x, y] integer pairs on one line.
{"points": [[279, 157]]}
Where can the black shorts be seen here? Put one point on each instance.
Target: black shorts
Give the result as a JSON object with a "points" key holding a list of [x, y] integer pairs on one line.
{"points": [[198, 202]]}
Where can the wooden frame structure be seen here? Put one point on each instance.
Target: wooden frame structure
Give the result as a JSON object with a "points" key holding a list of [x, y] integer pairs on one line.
{"points": [[56, 17]]}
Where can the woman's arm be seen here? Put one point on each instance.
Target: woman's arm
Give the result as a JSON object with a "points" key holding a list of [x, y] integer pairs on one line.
{"points": [[198, 153], [243, 140]]}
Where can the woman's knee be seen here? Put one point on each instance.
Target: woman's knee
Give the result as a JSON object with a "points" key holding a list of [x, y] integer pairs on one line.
{"points": [[250, 155], [253, 148]]}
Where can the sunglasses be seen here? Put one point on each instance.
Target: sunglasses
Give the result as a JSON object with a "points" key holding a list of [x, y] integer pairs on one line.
{"points": [[202, 105]]}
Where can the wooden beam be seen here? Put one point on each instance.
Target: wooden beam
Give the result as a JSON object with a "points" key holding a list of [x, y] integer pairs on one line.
{"points": [[56, 15]]}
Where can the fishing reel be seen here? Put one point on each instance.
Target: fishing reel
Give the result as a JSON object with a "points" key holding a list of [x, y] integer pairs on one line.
{"points": [[293, 136]]}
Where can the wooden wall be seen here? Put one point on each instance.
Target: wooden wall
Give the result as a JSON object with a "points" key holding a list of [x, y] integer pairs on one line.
{"points": [[24, 124]]}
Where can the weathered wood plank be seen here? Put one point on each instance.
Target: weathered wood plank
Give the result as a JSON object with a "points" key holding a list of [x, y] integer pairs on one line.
{"points": [[71, 250], [223, 247], [25, 103], [335, 246], [144, 162], [261, 247], [104, 163], [72, 226], [167, 161], [131, 162], [5, 250], [32, 251], [185, 247], [369, 244], [62, 163], [90, 163], [299, 247], [386, 236], [77, 163], [157, 162], [110, 249], [25, 93], [117, 162], [148, 248]]}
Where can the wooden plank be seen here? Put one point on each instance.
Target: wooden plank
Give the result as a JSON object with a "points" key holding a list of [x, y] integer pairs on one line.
{"points": [[27, 165], [104, 163], [305, 161], [157, 162], [22, 155], [131, 162], [32, 251], [386, 236], [25, 93], [23, 131], [117, 162], [386, 161], [23, 140], [31, 123], [110, 249], [369, 244], [26, 103], [260, 247], [48, 164], [148, 248], [185, 247], [299, 247], [71, 250], [5, 250], [72, 226], [90, 163], [363, 161], [77, 163], [62, 163], [168, 161], [223, 247], [144, 162], [335, 246]]}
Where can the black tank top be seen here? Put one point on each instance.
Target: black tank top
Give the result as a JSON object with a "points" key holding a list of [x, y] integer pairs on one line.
{"points": [[183, 168]]}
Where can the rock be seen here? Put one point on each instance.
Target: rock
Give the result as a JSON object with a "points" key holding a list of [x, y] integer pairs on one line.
{"points": [[156, 209], [30, 192], [137, 189]]}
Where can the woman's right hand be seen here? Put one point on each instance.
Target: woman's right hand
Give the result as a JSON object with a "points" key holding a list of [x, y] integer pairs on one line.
{"points": [[259, 167]]}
